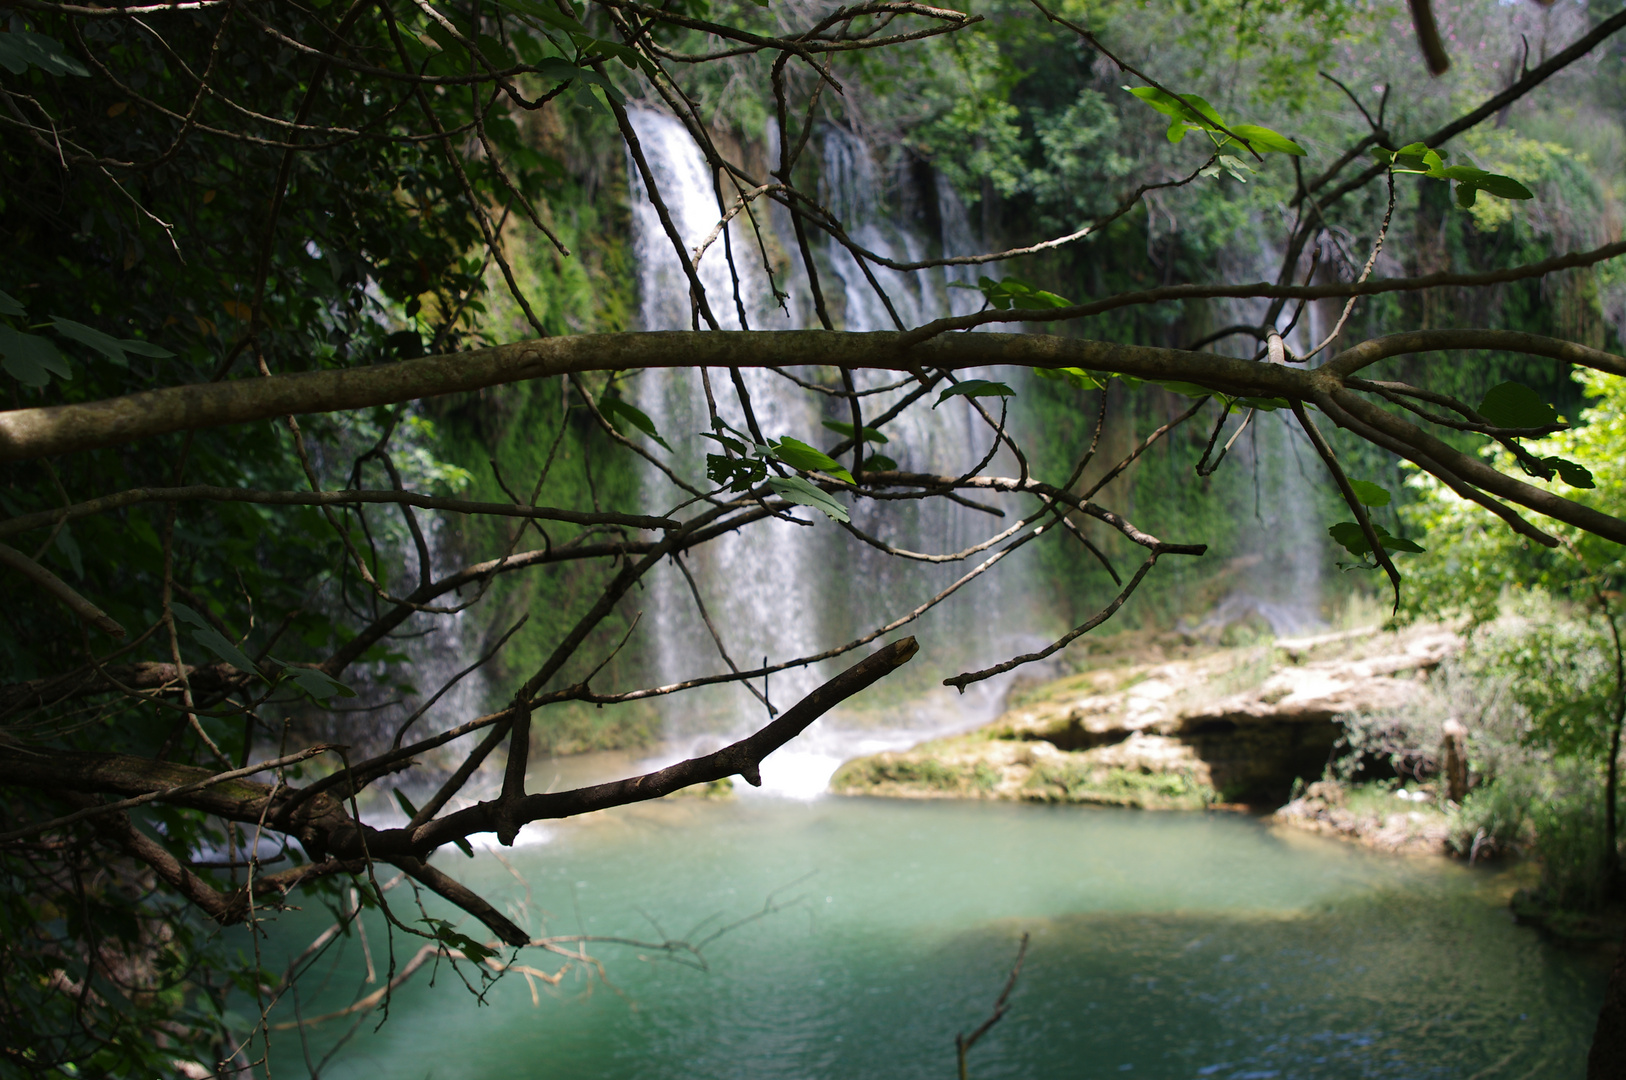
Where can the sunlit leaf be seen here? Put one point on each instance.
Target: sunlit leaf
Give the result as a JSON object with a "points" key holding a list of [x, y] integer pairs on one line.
{"points": [[1262, 138], [1370, 494], [1013, 292], [1193, 110], [799, 455], [1077, 378]]}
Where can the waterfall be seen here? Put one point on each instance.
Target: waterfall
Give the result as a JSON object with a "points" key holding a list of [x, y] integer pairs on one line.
{"points": [[782, 590], [1281, 559]]}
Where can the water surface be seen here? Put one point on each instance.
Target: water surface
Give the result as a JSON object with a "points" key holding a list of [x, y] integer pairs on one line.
{"points": [[1164, 946]]}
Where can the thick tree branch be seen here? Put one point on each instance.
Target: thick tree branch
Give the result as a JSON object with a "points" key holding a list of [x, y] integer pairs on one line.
{"points": [[742, 758], [325, 829], [30, 433], [55, 587]]}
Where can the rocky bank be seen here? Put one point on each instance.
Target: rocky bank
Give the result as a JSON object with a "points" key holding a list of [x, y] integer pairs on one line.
{"points": [[1168, 726]]}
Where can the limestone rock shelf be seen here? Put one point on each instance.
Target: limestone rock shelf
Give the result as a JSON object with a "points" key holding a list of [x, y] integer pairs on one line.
{"points": [[1233, 725]]}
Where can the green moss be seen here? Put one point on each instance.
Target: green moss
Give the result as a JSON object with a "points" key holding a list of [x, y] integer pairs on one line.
{"points": [[717, 789], [922, 773], [1075, 782], [575, 728]]}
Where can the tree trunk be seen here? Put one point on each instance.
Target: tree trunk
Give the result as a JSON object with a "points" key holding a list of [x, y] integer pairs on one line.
{"points": [[1607, 1061], [1454, 760], [1611, 791]]}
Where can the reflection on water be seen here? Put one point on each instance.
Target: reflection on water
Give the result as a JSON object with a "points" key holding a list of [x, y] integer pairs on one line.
{"points": [[1164, 945]]}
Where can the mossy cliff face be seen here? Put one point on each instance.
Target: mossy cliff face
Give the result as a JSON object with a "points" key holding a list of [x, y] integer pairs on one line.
{"points": [[1232, 725]]}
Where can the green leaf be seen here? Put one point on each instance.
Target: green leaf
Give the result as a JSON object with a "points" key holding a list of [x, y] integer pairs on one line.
{"points": [[1417, 158], [69, 547], [1193, 110], [736, 474], [733, 444], [1349, 534], [628, 56], [1504, 187], [30, 358], [1413, 158], [446, 934], [1013, 292], [1265, 404], [115, 349], [135, 347], [404, 344], [463, 846], [799, 455], [880, 463], [870, 434], [797, 490], [10, 306], [1077, 378], [564, 71], [1262, 138], [1236, 167], [211, 639], [545, 12], [20, 48], [1572, 473], [975, 388], [1514, 405], [469, 947], [613, 407], [1190, 390], [318, 684], [405, 803], [1369, 493]]}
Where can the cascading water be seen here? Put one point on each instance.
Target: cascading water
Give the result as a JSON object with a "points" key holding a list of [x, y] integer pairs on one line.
{"points": [[1282, 546], [781, 590]]}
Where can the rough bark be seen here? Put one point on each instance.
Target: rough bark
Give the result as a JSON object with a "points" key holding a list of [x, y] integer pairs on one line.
{"points": [[32, 433]]}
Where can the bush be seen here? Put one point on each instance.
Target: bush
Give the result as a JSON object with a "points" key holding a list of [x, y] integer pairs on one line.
{"points": [[1493, 819], [1568, 821]]}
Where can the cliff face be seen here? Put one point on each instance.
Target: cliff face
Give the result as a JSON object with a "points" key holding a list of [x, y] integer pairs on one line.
{"points": [[1233, 725]]}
